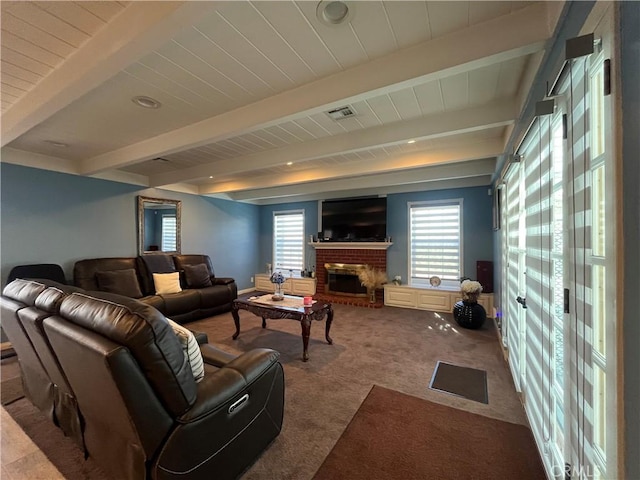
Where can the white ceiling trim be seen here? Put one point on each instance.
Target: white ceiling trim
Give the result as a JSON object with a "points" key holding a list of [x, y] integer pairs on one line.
{"points": [[426, 174], [484, 180], [472, 149], [433, 126], [134, 32], [63, 165], [520, 33], [38, 160]]}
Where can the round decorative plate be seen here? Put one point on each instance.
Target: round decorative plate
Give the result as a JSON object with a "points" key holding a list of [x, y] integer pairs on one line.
{"points": [[435, 281]]}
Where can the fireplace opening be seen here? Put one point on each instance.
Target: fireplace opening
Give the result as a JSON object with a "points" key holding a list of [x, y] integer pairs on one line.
{"points": [[342, 279]]}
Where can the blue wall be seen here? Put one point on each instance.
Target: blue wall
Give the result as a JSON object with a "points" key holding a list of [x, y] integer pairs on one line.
{"points": [[50, 217], [476, 218], [476, 227]]}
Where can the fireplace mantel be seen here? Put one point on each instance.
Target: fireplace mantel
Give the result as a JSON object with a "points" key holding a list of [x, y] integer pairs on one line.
{"points": [[350, 245]]}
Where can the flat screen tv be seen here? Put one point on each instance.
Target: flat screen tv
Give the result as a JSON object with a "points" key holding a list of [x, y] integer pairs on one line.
{"points": [[354, 220]]}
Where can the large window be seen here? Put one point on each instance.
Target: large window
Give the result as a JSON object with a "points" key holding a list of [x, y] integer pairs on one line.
{"points": [[435, 241], [288, 240]]}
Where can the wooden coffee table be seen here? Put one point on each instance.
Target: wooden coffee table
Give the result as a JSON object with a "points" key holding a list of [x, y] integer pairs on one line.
{"points": [[305, 315]]}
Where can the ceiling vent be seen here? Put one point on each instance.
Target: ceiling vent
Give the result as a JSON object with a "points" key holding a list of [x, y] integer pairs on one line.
{"points": [[342, 112]]}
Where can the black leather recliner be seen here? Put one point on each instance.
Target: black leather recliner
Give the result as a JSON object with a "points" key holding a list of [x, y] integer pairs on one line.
{"points": [[66, 412], [51, 271], [145, 416], [36, 383], [25, 304]]}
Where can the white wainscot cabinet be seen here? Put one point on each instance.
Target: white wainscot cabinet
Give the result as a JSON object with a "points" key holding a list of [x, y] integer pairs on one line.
{"points": [[292, 286], [440, 299]]}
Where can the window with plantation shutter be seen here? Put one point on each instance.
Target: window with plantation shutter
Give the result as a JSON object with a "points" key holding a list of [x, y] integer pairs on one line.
{"points": [[435, 240], [288, 240], [169, 233]]}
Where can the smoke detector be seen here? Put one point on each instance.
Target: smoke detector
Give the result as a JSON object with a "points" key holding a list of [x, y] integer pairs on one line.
{"points": [[342, 112]]}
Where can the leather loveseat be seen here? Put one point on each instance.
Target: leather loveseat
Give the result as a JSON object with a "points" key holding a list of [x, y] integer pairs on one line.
{"points": [[141, 413], [202, 293]]}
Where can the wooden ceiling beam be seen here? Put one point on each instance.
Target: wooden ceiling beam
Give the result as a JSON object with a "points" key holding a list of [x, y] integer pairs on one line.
{"points": [[453, 163], [433, 126]]}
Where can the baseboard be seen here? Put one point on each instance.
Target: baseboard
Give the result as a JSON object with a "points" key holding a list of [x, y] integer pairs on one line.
{"points": [[246, 290]]}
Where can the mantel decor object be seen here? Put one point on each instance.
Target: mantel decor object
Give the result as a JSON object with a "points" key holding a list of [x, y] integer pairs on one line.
{"points": [[372, 278], [277, 279]]}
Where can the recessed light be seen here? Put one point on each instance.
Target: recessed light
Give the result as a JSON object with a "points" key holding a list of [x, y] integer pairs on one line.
{"points": [[146, 102], [210, 176], [334, 12], [411, 141], [289, 163], [56, 144]]}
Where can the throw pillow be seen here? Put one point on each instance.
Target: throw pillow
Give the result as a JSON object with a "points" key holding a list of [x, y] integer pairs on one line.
{"points": [[167, 283], [197, 276], [191, 349], [122, 282]]}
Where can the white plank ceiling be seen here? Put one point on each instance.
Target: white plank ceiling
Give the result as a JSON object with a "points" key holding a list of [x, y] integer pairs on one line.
{"points": [[244, 88]]}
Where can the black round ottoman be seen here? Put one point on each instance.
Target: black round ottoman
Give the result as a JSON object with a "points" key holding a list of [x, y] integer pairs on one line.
{"points": [[469, 315]]}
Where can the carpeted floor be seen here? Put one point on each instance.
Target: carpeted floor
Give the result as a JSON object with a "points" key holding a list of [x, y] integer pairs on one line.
{"points": [[11, 390], [391, 347], [394, 435], [61, 450]]}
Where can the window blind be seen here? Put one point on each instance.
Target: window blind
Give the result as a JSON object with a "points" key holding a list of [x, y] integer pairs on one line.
{"points": [[169, 233], [512, 275], [539, 284], [288, 240], [435, 240], [567, 372]]}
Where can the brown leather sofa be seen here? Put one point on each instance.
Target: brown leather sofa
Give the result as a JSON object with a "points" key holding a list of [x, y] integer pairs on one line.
{"points": [[142, 413], [133, 277]]}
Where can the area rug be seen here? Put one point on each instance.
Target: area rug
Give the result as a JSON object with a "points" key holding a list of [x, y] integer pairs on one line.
{"points": [[11, 390], [398, 436], [466, 382]]}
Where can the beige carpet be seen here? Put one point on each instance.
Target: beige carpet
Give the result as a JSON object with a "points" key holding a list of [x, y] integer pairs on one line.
{"points": [[392, 347], [394, 435]]}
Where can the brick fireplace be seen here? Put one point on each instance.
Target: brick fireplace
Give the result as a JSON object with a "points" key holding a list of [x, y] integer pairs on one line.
{"points": [[376, 258]]}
